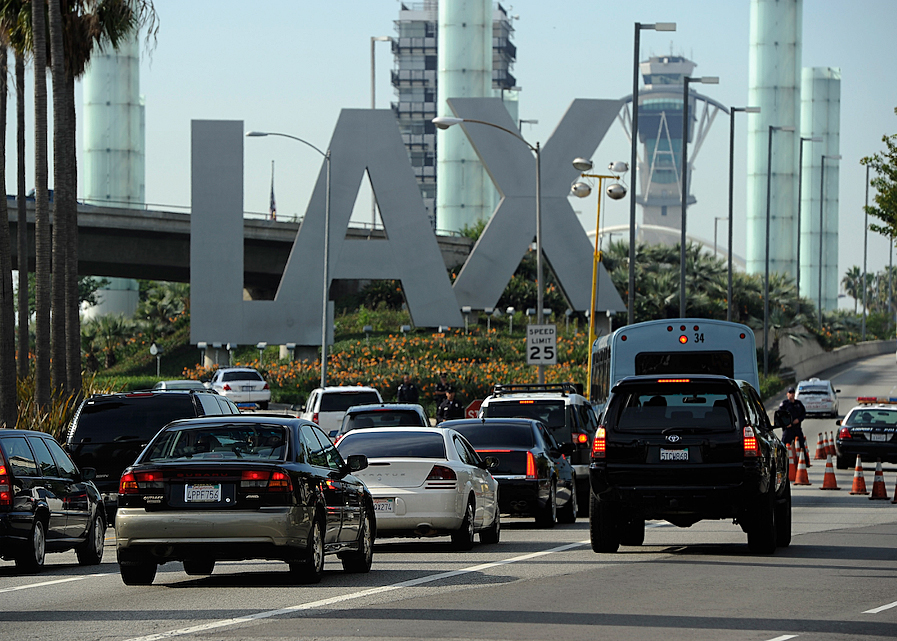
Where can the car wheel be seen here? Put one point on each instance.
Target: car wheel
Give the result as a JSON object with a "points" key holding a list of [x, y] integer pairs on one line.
{"points": [[548, 515], [137, 572], [311, 568], [462, 538], [199, 567], [602, 526], [91, 551], [762, 533], [263, 405], [633, 532], [493, 534], [783, 518], [567, 514], [360, 561], [31, 557], [845, 462]]}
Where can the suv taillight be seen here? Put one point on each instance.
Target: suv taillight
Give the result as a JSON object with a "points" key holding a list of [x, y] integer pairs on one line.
{"points": [[599, 445], [751, 445], [314, 418], [582, 439], [5, 489]]}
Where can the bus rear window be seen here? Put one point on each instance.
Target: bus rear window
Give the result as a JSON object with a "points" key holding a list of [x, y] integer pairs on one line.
{"points": [[658, 363]]}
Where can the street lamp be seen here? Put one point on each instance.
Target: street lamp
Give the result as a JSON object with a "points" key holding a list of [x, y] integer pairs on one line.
{"points": [[615, 192], [633, 156], [375, 40], [707, 80], [326, 296], [772, 128], [821, 210], [716, 220], [732, 112], [444, 122], [800, 183], [865, 248]]}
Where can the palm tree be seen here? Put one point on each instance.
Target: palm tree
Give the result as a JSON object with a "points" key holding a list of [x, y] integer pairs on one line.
{"points": [[7, 316], [22, 222], [112, 331], [851, 283]]}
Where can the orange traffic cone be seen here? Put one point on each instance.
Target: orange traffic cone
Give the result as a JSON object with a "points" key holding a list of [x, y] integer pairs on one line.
{"points": [[878, 484], [820, 449], [895, 494], [829, 447], [831, 444], [792, 467], [802, 478], [859, 482], [829, 482]]}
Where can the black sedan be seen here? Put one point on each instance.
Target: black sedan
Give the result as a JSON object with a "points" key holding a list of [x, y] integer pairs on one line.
{"points": [[870, 430], [533, 473], [243, 487], [46, 503]]}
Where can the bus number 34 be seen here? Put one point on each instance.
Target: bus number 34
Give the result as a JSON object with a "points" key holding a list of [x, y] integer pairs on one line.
{"points": [[699, 338]]}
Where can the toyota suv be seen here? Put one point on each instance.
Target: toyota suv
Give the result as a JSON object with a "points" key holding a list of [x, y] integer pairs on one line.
{"points": [[686, 449]]}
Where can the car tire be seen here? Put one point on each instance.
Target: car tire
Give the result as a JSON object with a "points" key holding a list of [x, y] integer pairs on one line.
{"points": [[548, 515], [762, 533], [462, 538], [359, 561], [91, 551], [263, 405], [633, 532], [137, 572], [567, 514], [602, 526], [31, 557], [311, 568], [845, 462], [783, 517], [199, 567], [493, 533]]}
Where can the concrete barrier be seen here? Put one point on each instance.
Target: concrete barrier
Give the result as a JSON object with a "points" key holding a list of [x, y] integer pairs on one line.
{"points": [[816, 363]]}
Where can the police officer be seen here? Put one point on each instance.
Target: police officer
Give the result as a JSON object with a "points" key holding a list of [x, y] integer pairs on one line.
{"points": [[798, 413], [449, 408], [407, 392]]}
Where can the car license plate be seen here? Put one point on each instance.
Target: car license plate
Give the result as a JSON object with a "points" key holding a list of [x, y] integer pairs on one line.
{"points": [[384, 506], [202, 493], [880, 437], [673, 455], [247, 388]]}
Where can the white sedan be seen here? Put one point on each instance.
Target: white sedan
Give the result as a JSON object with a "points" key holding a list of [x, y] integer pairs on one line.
{"points": [[242, 385], [427, 481]]}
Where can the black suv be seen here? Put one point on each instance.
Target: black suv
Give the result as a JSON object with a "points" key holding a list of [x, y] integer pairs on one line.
{"points": [[109, 430], [685, 449]]}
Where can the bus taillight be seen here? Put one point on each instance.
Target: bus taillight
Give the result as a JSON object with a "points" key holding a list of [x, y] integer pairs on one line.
{"points": [[683, 339]]}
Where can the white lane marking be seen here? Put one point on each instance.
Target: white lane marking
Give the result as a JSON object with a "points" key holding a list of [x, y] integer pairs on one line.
{"points": [[348, 597], [882, 608], [42, 584], [784, 637]]}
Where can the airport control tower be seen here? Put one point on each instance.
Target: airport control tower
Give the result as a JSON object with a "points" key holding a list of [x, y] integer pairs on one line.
{"points": [[660, 135]]}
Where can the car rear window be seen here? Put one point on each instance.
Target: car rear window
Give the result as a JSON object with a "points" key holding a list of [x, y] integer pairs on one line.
{"points": [[128, 418], [393, 445], [817, 391], [491, 435], [550, 412], [656, 408], [341, 401], [19, 456], [383, 418], [872, 418], [241, 376], [231, 442]]}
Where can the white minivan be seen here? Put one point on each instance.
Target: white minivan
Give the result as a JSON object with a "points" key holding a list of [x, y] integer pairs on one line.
{"points": [[326, 406]]}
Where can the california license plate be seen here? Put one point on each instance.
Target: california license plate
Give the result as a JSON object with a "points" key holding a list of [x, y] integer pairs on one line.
{"points": [[384, 506], [673, 455], [880, 437], [202, 493], [247, 388]]}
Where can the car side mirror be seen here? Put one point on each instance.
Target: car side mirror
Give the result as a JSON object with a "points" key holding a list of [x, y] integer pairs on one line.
{"points": [[356, 462], [489, 463], [838, 422], [781, 419], [88, 473], [837, 391]]}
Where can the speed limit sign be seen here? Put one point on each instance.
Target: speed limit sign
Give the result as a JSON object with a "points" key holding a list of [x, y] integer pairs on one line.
{"points": [[541, 345]]}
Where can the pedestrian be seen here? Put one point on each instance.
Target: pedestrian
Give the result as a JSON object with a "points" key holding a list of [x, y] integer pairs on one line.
{"points": [[440, 389], [449, 408], [407, 392], [798, 413]]}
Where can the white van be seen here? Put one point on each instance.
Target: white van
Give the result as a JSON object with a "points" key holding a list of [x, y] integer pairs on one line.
{"points": [[326, 406]]}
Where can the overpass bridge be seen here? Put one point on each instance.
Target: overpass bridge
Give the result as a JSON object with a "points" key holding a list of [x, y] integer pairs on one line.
{"points": [[152, 244]]}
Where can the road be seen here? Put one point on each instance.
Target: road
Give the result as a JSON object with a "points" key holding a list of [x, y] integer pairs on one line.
{"points": [[838, 580]]}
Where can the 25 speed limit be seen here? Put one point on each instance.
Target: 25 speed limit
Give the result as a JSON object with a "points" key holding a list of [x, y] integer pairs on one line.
{"points": [[541, 345]]}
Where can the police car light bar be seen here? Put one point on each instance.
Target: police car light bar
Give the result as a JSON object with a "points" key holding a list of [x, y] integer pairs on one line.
{"points": [[877, 399]]}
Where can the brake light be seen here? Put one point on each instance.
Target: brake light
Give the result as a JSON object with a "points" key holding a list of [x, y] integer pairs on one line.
{"points": [[531, 466], [226, 387], [751, 446], [683, 339], [314, 417], [442, 473], [673, 380], [261, 479], [526, 402], [133, 482], [280, 482], [128, 484], [599, 444], [844, 433], [5, 490], [266, 386], [582, 438]]}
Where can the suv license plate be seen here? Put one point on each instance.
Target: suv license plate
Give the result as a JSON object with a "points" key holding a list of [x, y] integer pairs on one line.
{"points": [[880, 437], [387, 506], [673, 455], [205, 493]]}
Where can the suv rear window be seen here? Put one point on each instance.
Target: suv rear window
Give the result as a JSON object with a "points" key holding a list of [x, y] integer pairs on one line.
{"points": [[341, 401], [658, 407], [549, 412], [124, 418], [383, 418], [489, 435]]}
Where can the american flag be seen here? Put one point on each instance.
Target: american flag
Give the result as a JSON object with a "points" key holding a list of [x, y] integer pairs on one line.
{"points": [[272, 206]]}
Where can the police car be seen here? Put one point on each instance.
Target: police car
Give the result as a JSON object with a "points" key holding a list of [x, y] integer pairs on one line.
{"points": [[870, 430]]}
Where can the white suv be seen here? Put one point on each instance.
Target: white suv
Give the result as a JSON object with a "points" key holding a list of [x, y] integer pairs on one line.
{"points": [[326, 406]]}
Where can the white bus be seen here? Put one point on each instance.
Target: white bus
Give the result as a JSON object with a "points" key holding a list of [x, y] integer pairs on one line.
{"points": [[672, 346]]}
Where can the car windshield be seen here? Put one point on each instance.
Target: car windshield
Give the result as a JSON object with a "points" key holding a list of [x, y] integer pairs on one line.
{"points": [[872, 418], [382, 418], [231, 442], [658, 407], [549, 412], [341, 401], [241, 376], [393, 445], [501, 435]]}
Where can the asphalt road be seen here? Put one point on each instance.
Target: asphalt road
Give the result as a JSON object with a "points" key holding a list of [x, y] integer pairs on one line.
{"points": [[838, 580]]}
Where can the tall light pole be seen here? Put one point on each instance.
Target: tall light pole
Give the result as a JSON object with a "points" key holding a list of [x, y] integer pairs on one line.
{"points": [[800, 183], [707, 80], [374, 41], [821, 220], [732, 112], [716, 220], [865, 248], [772, 128], [326, 296], [444, 122], [633, 157]]}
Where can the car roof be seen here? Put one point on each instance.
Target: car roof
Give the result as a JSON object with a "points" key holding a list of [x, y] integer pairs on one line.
{"points": [[371, 407], [488, 421], [10, 431], [348, 388], [237, 369], [395, 430], [217, 419], [691, 378]]}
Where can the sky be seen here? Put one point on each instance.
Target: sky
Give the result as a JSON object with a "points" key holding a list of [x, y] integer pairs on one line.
{"points": [[290, 66]]}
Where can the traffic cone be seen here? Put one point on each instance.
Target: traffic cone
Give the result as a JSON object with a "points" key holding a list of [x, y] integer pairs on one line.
{"points": [[859, 482], [802, 478], [820, 449], [829, 446], [806, 453], [829, 482], [792, 468], [878, 484], [895, 494]]}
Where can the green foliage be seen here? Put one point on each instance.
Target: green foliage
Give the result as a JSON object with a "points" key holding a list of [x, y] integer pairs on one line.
{"points": [[474, 231], [884, 206]]}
